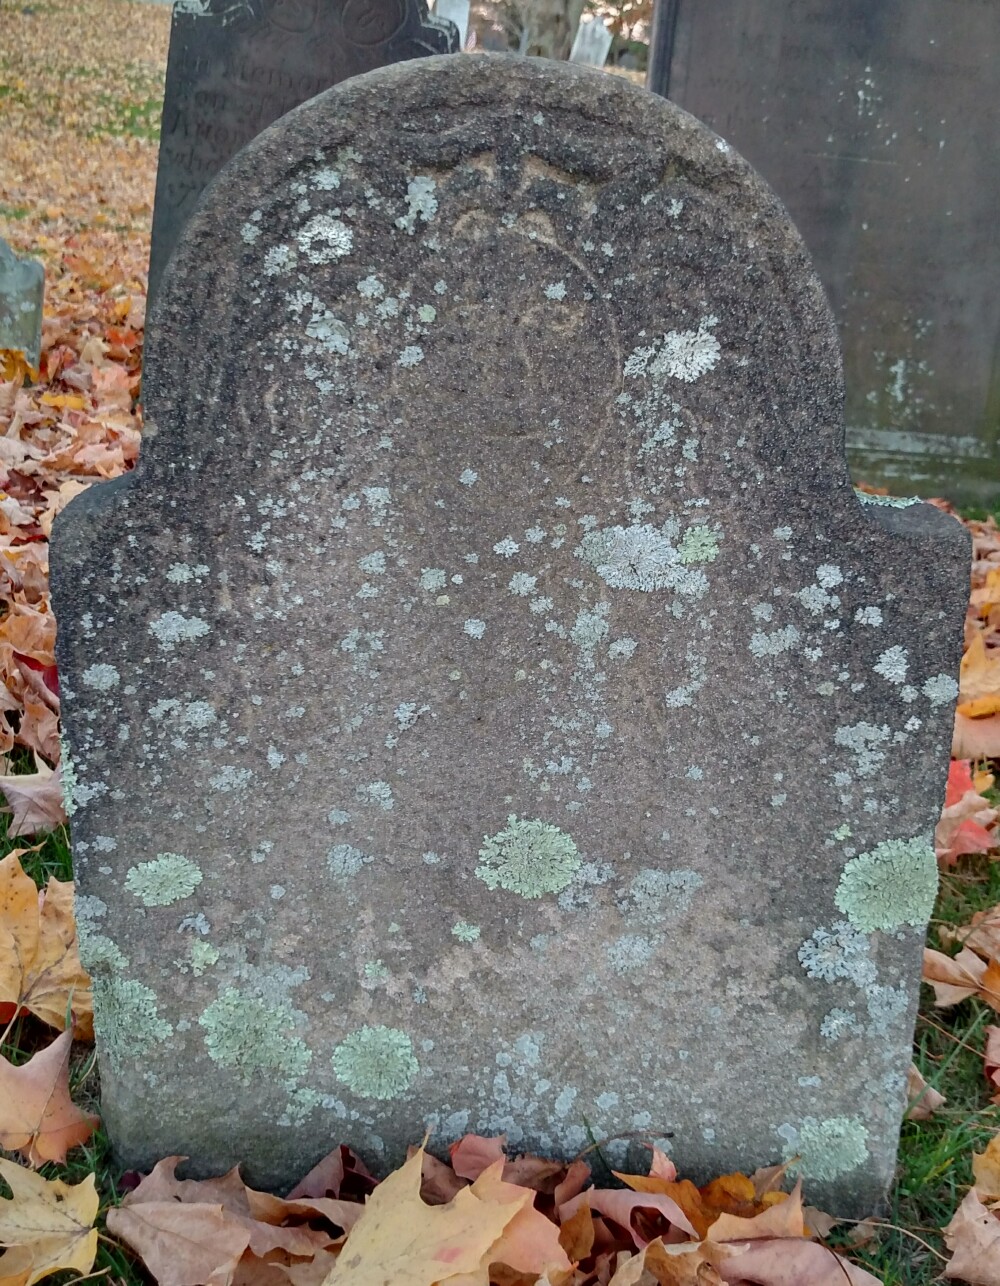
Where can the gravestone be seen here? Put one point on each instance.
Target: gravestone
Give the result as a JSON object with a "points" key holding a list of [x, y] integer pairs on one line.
{"points": [[235, 66], [22, 294], [876, 125], [591, 43], [488, 704], [456, 11]]}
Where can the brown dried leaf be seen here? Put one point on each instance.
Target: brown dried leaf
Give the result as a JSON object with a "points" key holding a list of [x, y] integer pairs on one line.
{"points": [[973, 1237], [37, 1116]]}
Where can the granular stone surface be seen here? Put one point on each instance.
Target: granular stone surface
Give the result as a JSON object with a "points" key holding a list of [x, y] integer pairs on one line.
{"points": [[489, 706]]}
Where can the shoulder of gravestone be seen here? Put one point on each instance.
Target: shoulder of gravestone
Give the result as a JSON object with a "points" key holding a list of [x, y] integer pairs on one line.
{"points": [[921, 523], [85, 526]]}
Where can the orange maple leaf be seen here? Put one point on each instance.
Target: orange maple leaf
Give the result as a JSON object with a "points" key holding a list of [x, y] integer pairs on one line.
{"points": [[37, 1116]]}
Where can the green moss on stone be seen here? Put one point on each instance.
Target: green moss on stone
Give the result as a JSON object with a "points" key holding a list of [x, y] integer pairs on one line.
{"points": [[828, 1149], [893, 884], [465, 932], [126, 1019], [376, 1062], [528, 857], [99, 954], [203, 956], [167, 879], [249, 1034]]}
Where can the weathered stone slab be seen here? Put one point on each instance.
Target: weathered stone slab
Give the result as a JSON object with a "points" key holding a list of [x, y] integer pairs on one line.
{"points": [[488, 702], [877, 127], [22, 294], [235, 66], [591, 44]]}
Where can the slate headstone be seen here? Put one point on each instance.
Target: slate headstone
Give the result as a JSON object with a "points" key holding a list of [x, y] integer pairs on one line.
{"points": [[876, 124], [456, 11], [488, 704], [591, 44], [235, 66], [22, 294]]}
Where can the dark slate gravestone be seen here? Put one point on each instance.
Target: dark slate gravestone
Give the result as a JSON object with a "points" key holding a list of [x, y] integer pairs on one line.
{"points": [[488, 704], [877, 125], [235, 66]]}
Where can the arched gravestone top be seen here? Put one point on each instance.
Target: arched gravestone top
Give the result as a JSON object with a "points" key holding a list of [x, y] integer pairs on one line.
{"points": [[488, 702]]}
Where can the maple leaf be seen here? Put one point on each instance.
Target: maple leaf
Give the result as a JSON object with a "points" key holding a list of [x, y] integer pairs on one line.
{"points": [[401, 1239], [37, 1116], [956, 979], [46, 1226], [621, 1206], [967, 817], [973, 1237], [981, 934], [194, 1231], [40, 967], [922, 1100], [35, 799]]}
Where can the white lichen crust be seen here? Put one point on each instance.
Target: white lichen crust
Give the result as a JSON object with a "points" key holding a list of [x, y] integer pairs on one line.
{"points": [[893, 884], [376, 1062], [531, 858]]}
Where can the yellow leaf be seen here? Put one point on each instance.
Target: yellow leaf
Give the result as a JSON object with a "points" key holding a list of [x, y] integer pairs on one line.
{"points": [[14, 365], [67, 401], [986, 1171], [40, 965], [46, 1226], [401, 1239]]}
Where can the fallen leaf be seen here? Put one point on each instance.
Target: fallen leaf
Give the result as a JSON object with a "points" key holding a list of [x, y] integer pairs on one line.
{"points": [[40, 967], [194, 1231], [973, 1237], [38, 1118], [986, 1171], [620, 1206], [922, 1099], [402, 1240], [35, 799], [472, 1154], [46, 1226], [956, 979], [991, 1060]]}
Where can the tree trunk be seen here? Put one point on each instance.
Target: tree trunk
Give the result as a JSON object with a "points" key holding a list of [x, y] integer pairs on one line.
{"points": [[550, 26]]}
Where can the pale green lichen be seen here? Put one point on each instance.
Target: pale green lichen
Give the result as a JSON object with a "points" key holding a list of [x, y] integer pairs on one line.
{"points": [[68, 779], [528, 857], [893, 884], [169, 878], [376, 1062], [249, 1034], [203, 956], [465, 932], [699, 545], [826, 1149], [99, 953], [126, 1019]]}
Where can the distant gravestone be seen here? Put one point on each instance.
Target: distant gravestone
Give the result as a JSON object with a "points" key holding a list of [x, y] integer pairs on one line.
{"points": [[591, 44], [235, 66], [488, 704], [22, 294], [456, 11], [876, 124]]}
